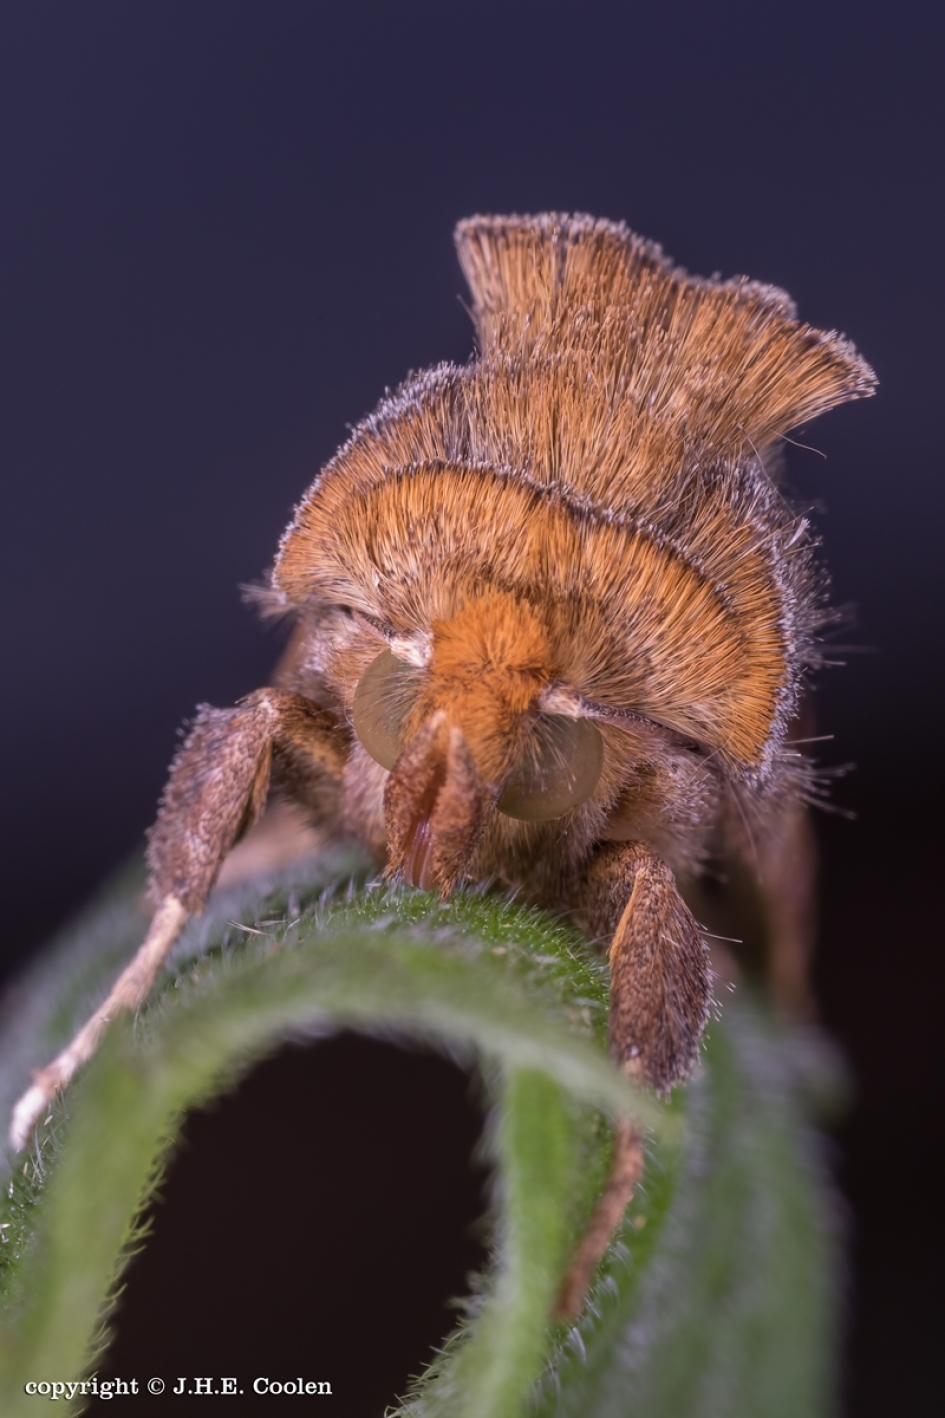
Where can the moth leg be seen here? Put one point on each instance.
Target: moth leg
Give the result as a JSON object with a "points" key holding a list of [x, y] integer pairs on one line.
{"points": [[766, 906], [626, 1169], [216, 789], [788, 873], [130, 988], [660, 993]]}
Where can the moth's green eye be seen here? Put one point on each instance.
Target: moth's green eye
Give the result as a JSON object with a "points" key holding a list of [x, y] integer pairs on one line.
{"points": [[383, 699], [559, 772]]}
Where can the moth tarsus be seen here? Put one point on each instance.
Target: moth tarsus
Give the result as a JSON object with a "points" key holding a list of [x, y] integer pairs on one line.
{"points": [[553, 621], [626, 1169]]}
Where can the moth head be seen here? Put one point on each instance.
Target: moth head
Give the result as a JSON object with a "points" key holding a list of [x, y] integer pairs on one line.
{"points": [[480, 728]]}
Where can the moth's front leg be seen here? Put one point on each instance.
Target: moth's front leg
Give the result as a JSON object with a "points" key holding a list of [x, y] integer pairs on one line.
{"points": [[216, 790], [660, 989], [660, 994]]}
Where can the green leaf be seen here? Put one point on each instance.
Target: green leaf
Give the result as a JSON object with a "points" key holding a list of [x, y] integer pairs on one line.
{"points": [[493, 1368], [716, 1298], [732, 1314]]}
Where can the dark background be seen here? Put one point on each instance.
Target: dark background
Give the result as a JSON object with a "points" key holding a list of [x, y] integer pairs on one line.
{"points": [[226, 227]]}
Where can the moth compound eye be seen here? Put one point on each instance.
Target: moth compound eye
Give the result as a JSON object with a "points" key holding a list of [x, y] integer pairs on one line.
{"points": [[560, 770], [383, 699]]}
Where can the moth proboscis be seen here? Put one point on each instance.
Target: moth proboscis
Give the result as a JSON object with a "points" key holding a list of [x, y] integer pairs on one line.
{"points": [[553, 618]]}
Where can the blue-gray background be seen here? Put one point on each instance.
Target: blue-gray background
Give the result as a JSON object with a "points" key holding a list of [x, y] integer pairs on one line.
{"points": [[225, 228]]}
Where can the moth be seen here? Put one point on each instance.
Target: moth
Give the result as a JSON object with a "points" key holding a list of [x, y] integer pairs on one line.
{"points": [[553, 621]]}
